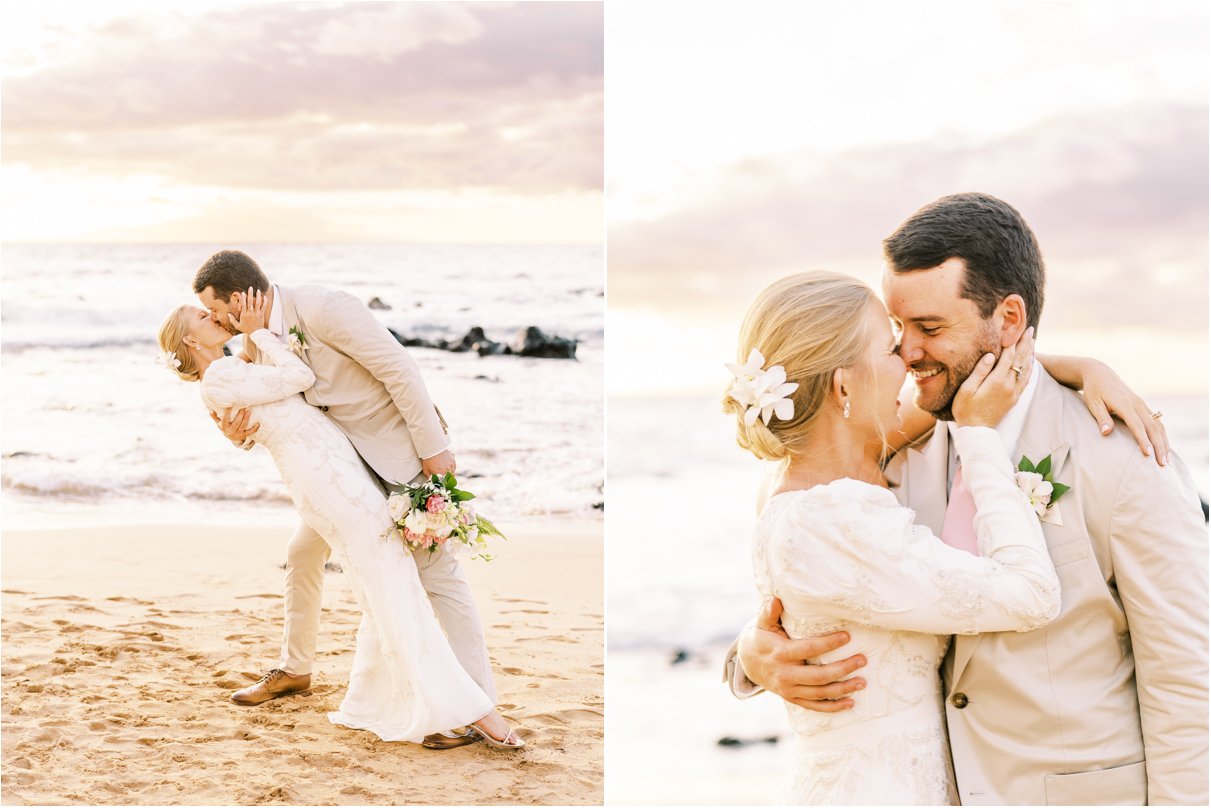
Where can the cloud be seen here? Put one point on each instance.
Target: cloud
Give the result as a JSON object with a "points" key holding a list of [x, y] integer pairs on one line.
{"points": [[326, 96], [1118, 200]]}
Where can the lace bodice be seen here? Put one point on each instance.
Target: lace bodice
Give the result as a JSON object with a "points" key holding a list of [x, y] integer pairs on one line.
{"points": [[848, 556]]}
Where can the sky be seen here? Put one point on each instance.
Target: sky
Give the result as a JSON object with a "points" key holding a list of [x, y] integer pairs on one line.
{"points": [[434, 122], [778, 137]]}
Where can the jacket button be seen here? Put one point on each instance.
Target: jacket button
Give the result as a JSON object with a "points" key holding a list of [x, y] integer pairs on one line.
{"points": [[323, 409], [959, 700]]}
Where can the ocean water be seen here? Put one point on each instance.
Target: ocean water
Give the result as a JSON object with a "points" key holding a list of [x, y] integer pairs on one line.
{"points": [[679, 589], [95, 429]]}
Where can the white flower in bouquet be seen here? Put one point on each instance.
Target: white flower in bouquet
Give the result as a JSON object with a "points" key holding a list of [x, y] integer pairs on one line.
{"points": [[398, 506]]}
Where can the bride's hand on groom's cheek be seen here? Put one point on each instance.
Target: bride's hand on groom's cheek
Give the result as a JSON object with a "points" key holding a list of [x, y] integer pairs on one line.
{"points": [[779, 664], [251, 313]]}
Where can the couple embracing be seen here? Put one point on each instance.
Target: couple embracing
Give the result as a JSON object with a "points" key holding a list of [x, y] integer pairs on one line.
{"points": [[1008, 607], [344, 413]]}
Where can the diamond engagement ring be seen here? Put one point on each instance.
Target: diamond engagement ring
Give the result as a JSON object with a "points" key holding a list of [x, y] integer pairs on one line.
{"points": [[1157, 415]]}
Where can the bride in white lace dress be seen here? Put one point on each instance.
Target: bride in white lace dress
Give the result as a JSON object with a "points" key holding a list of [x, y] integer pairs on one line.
{"points": [[406, 682], [836, 547]]}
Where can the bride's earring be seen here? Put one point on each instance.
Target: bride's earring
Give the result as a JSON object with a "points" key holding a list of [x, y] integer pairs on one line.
{"points": [[845, 412]]}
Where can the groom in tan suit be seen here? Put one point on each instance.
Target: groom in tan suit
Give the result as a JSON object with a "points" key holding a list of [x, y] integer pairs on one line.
{"points": [[370, 386], [1108, 704]]}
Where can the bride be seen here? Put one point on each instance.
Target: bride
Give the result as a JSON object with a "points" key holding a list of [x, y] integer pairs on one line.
{"points": [[819, 392], [406, 682]]}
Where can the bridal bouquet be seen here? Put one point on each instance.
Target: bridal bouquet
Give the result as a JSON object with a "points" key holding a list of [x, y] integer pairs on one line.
{"points": [[436, 513]]}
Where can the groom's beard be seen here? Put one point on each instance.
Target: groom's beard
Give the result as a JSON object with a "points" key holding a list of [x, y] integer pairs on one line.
{"points": [[941, 406]]}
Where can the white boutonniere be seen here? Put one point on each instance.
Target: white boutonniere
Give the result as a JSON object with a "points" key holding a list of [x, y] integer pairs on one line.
{"points": [[297, 340], [1034, 480]]}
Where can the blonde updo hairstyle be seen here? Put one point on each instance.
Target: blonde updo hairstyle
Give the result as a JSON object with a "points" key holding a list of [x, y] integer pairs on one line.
{"points": [[811, 324], [173, 332]]}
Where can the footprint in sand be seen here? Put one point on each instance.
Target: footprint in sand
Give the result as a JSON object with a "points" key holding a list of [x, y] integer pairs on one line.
{"points": [[521, 600], [564, 717], [523, 611]]}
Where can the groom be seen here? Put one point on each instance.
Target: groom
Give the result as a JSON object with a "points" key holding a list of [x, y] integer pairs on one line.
{"points": [[372, 389], [1108, 704]]}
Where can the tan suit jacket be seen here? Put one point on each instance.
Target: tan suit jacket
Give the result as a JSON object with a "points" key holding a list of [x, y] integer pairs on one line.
{"points": [[364, 379], [1108, 704]]}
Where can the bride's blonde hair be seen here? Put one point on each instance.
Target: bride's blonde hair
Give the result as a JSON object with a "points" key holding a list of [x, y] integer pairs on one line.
{"points": [[811, 324], [173, 332]]}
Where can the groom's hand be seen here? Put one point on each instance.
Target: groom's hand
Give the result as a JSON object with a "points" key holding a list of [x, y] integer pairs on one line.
{"points": [[779, 664], [234, 425], [440, 464]]}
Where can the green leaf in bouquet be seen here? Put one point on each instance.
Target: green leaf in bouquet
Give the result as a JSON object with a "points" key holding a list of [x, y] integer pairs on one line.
{"points": [[487, 528], [1025, 464], [1044, 468], [461, 496], [1058, 490], [450, 482]]}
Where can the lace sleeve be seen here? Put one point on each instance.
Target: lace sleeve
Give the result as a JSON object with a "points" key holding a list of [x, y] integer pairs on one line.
{"points": [[232, 383], [854, 553]]}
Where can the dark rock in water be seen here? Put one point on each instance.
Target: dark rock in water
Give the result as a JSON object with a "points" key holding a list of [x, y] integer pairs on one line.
{"points": [[531, 341], [21, 454], [1206, 510], [599, 506], [727, 740], [376, 303], [493, 379], [682, 655], [476, 340]]}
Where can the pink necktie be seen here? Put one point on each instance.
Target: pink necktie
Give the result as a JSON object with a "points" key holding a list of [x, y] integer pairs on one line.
{"points": [[958, 529]]}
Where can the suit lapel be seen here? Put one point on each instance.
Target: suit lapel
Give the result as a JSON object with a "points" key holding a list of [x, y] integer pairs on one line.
{"points": [[290, 319], [1042, 435]]}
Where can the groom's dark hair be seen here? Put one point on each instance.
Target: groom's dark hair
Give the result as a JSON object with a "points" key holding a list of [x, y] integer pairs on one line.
{"points": [[227, 272], [994, 241]]}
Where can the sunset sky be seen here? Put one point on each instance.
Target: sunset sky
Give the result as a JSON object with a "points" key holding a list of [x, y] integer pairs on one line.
{"points": [[302, 121], [778, 137]]}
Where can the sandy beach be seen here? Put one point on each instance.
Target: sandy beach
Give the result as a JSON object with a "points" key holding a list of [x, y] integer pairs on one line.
{"points": [[122, 644]]}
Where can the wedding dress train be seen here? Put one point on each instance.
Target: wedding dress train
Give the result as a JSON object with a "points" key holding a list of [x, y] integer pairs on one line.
{"points": [[406, 682], [847, 556]]}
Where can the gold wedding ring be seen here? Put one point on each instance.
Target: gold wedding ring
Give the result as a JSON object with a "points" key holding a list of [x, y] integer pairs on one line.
{"points": [[1018, 371], [1157, 415]]}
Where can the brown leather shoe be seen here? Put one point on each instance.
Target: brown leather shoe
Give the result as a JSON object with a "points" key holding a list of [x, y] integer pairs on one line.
{"points": [[439, 741], [273, 684]]}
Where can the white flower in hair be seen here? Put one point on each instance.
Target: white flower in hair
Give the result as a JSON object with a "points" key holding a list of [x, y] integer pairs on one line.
{"points": [[170, 360], [764, 392]]}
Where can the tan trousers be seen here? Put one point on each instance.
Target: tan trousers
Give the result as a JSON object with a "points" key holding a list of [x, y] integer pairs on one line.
{"points": [[440, 575]]}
